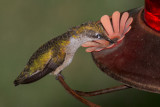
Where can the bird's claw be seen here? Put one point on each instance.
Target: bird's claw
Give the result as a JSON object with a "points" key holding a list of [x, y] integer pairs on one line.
{"points": [[59, 75]]}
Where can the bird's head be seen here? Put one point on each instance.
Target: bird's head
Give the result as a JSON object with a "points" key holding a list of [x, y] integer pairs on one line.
{"points": [[91, 31]]}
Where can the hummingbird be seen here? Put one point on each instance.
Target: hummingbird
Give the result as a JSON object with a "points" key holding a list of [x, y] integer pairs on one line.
{"points": [[53, 56]]}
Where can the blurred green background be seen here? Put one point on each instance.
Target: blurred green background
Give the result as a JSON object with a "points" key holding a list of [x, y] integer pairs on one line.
{"points": [[27, 24]]}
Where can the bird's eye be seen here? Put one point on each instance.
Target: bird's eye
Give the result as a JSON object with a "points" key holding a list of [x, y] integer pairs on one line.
{"points": [[98, 35]]}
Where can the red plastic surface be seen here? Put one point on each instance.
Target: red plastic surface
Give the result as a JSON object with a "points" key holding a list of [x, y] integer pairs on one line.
{"points": [[152, 13]]}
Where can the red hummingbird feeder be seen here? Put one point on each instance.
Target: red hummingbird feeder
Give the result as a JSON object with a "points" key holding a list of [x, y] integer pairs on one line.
{"points": [[135, 62]]}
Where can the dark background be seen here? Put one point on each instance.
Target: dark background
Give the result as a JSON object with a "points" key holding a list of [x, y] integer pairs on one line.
{"points": [[27, 24]]}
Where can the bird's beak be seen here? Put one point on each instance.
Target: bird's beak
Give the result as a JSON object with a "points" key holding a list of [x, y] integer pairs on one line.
{"points": [[109, 40]]}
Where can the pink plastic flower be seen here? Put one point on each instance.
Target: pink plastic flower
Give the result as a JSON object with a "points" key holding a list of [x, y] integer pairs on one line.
{"points": [[116, 30]]}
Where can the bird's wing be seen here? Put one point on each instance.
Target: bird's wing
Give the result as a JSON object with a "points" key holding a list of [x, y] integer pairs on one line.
{"points": [[52, 64]]}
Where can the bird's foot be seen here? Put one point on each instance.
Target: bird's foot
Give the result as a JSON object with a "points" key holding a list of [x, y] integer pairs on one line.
{"points": [[59, 75]]}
